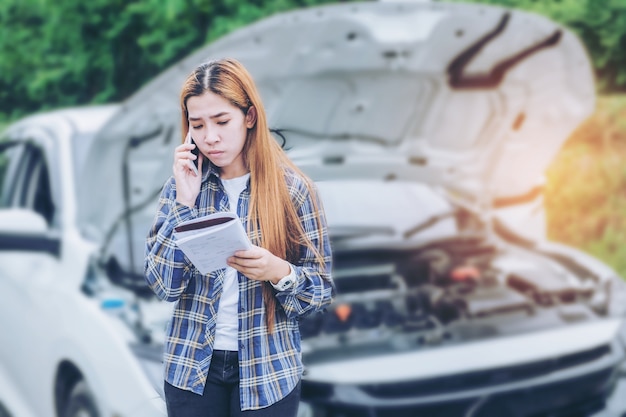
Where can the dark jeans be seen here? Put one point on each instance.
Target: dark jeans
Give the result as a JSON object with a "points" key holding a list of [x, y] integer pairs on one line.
{"points": [[221, 394]]}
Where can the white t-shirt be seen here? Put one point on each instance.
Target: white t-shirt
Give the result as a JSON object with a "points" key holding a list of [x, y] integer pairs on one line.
{"points": [[227, 326]]}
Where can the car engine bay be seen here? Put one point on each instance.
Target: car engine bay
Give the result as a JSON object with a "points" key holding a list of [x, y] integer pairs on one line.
{"points": [[446, 292]]}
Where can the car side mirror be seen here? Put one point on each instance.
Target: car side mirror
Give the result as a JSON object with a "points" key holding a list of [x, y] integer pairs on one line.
{"points": [[22, 221], [27, 231]]}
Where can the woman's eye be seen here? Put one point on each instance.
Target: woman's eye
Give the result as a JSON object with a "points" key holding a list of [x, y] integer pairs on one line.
{"points": [[222, 122], [197, 127]]}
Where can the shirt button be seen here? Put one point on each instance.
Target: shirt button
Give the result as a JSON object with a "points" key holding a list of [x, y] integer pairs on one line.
{"points": [[242, 346], [242, 310]]}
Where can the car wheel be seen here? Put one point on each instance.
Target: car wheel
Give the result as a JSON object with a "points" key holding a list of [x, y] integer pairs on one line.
{"points": [[81, 402], [3, 411]]}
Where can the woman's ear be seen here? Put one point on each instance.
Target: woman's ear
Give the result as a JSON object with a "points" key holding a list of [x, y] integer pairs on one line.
{"points": [[251, 117]]}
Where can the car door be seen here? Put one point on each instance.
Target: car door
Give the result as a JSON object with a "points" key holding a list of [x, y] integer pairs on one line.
{"points": [[29, 259]]}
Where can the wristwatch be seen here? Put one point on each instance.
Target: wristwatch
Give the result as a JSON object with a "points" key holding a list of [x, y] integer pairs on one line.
{"points": [[286, 282]]}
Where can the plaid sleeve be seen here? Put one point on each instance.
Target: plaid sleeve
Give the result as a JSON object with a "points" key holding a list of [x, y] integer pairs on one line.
{"points": [[166, 269], [314, 287]]}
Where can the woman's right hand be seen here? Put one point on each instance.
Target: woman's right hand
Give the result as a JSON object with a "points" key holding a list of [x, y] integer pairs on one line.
{"points": [[187, 182]]}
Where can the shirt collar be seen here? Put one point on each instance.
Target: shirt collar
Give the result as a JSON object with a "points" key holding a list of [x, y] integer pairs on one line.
{"points": [[209, 169]]}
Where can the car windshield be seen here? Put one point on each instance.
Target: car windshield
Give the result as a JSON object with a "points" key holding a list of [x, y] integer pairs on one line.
{"points": [[5, 146]]}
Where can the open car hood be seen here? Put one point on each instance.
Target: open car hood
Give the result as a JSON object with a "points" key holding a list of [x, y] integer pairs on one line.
{"points": [[473, 98]]}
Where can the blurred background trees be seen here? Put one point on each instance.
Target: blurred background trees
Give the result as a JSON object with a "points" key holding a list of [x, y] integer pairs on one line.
{"points": [[66, 52], [56, 53]]}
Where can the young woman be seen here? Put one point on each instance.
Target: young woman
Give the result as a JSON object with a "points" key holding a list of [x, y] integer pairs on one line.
{"points": [[233, 343]]}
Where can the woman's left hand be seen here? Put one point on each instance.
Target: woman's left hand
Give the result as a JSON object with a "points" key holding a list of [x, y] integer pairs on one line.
{"points": [[260, 264]]}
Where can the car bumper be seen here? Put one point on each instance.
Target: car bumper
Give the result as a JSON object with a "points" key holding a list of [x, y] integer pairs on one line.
{"points": [[573, 384]]}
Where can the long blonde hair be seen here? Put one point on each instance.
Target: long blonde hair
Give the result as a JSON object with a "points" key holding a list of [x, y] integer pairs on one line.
{"points": [[271, 211]]}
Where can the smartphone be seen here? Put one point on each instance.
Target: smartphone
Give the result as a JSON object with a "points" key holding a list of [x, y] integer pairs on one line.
{"points": [[196, 152]]}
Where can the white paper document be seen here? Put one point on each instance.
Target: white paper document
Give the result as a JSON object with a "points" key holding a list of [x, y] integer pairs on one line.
{"points": [[209, 241]]}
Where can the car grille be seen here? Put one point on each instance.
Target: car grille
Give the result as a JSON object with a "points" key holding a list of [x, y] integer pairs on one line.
{"points": [[581, 396], [484, 378]]}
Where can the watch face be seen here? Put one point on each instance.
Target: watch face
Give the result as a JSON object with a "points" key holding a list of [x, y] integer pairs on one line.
{"points": [[288, 283]]}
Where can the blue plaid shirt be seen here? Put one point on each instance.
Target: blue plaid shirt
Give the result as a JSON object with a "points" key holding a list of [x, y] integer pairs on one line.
{"points": [[270, 364]]}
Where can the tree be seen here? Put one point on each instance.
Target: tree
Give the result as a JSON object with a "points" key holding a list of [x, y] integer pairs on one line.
{"points": [[57, 53], [72, 52]]}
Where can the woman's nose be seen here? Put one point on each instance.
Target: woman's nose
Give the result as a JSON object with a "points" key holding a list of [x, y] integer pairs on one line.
{"points": [[211, 136]]}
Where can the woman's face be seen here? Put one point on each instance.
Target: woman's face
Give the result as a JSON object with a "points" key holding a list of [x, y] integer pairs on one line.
{"points": [[219, 129]]}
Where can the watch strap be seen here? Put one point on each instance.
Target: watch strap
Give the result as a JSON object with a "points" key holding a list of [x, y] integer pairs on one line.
{"points": [[287, 281]]}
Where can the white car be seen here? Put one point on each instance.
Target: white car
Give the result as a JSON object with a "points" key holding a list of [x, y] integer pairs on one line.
{"points": [[65, 350], [427, 127]]}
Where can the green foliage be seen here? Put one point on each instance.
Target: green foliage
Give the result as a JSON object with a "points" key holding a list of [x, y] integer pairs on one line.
{"points": [[585, 198], [71, 52]]}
